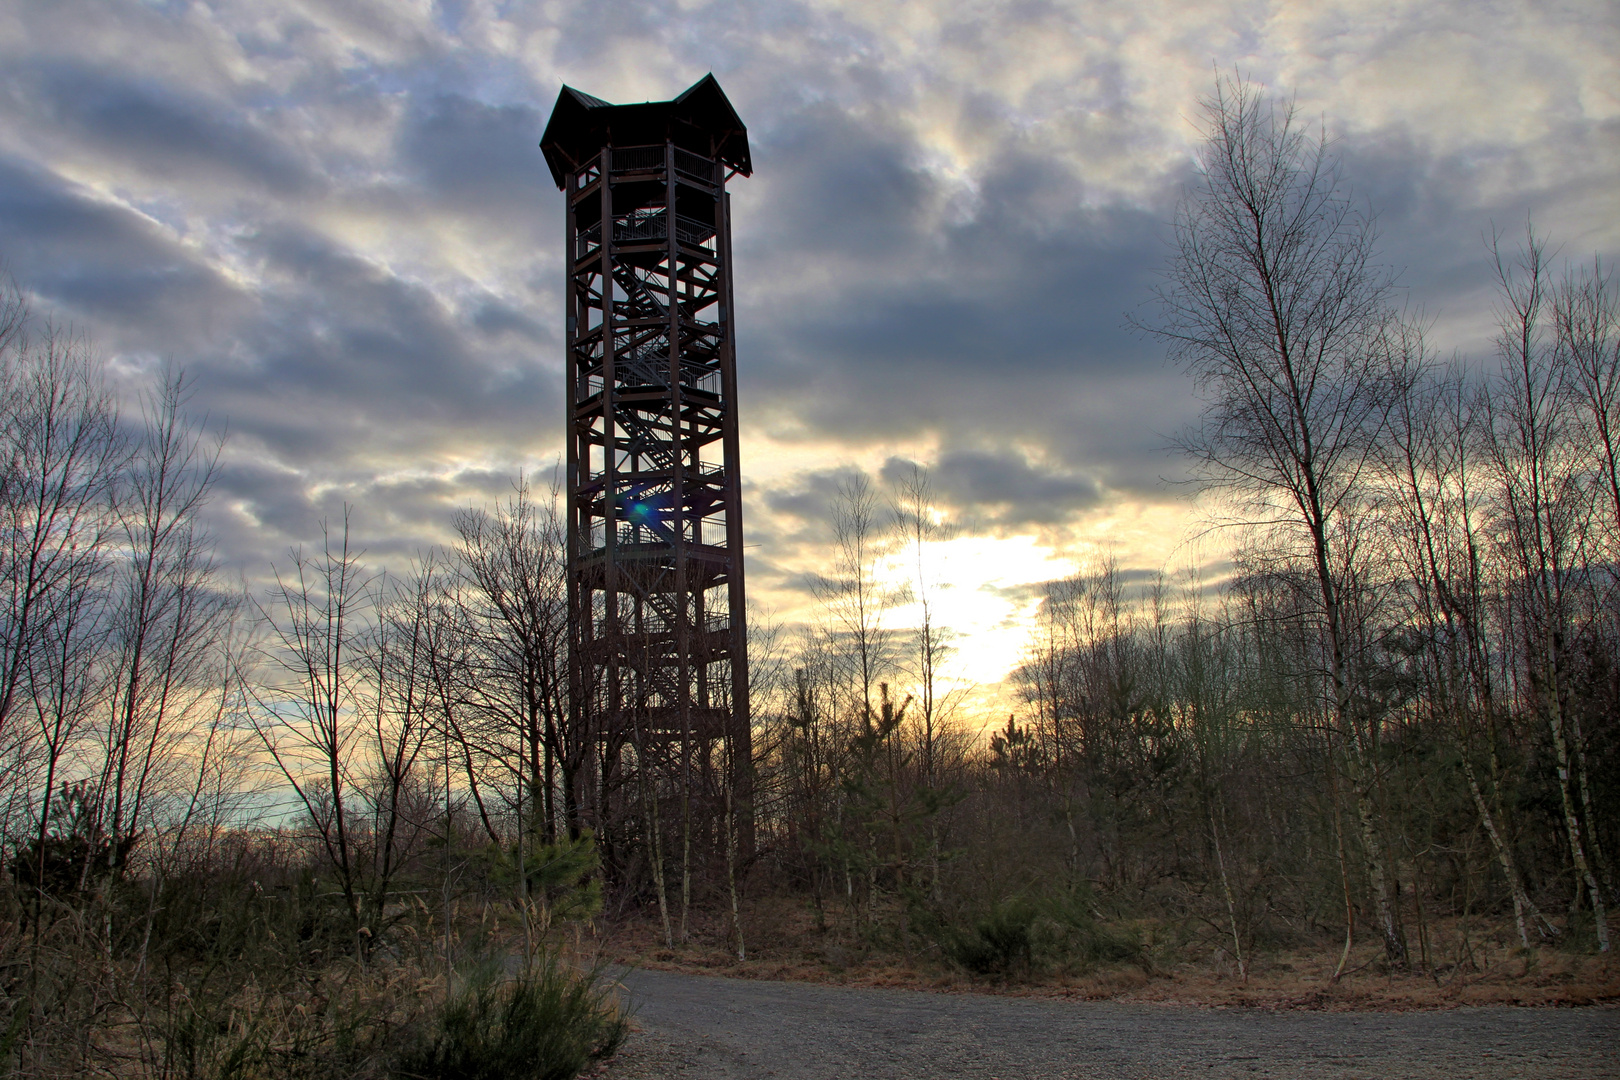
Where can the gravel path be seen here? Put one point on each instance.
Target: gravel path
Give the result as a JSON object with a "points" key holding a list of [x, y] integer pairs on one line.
{"points": [[709, 1028]]}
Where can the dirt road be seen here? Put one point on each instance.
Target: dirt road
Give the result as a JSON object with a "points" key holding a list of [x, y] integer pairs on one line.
{"points": [[707, 1028]]}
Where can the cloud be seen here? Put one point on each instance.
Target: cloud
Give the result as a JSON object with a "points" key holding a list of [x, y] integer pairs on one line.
{"points": [[166, 131], [981, 491], [898, 302], [477, 159], [1003, 488], [336, 219], [104, 263]]}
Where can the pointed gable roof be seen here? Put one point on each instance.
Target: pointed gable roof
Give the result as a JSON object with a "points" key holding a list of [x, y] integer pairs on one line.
{"points": [[701, 120]]}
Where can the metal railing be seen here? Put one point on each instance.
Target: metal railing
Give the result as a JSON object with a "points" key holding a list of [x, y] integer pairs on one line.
{"points": [[693, 165], [644, 226], [651, 159], [637, 158]]}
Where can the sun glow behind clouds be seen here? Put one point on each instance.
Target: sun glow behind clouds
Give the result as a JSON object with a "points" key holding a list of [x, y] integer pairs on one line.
{"points": [[985, 583], [983, 595], [984, 592]]}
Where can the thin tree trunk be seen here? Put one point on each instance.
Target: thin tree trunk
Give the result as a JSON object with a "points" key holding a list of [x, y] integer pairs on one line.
{"points": [[1600, 864], [1572, 825], [649, 805], [1522, 903], [1344, 875], [1231, 903], [731, 874], [1377, 871]]}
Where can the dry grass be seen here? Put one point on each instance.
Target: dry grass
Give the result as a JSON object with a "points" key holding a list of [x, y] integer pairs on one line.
{"points": [[785, 942], [272, 995]]}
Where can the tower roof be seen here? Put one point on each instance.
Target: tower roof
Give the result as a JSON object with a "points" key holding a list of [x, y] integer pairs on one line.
{"points": [[701, 119]]}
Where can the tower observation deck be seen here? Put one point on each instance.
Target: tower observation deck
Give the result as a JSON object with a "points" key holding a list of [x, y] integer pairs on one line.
{"points": [[658, 635]]}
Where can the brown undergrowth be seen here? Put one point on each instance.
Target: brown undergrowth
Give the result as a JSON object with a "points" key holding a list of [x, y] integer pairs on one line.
{"points": [[259, 976], [785, 941]]}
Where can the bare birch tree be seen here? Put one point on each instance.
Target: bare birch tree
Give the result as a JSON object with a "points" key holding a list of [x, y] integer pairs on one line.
{"points": [[1436, 514], [1273, 301], [1533, 452]]}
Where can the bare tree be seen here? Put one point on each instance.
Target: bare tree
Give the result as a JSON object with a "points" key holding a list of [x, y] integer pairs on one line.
{"points": [[515, 608], [169, 620], [918, 526], [1435, 512], [1586, 309], [304, 711], [860, 646], [1533, 452], [398, 669], [854, 598], [1274, 303], [60, 455]]}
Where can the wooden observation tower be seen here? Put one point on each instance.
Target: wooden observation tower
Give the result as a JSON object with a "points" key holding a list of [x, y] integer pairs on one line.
{"points": [[658, 635]]}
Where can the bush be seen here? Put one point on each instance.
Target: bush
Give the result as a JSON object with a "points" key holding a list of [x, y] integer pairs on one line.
{"points": [[546, 1023], [999, 941], [1021, 934]]}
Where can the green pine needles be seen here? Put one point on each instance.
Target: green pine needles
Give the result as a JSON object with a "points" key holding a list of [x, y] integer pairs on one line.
{"points": [[547, 1022]]}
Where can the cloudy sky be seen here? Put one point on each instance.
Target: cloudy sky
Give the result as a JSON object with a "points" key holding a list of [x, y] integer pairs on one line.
{"points": [[335, 218]]}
